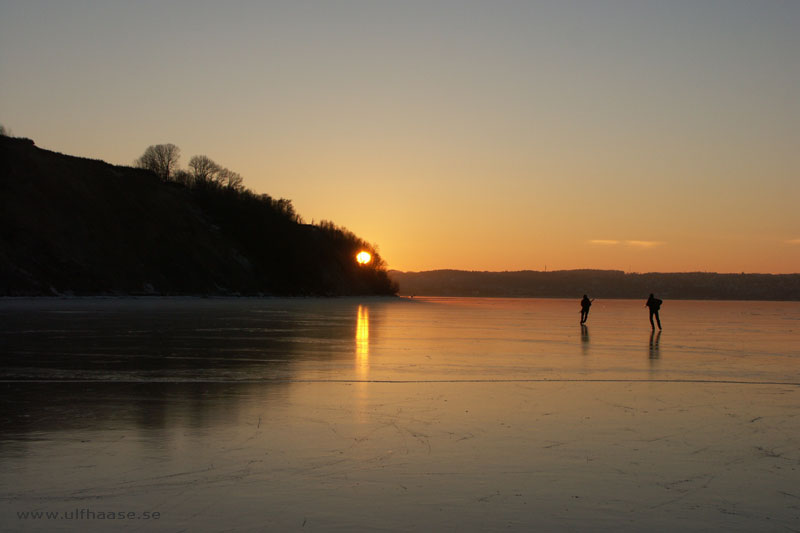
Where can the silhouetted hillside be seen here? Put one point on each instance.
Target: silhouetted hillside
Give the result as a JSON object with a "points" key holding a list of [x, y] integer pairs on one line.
{"points": [[82, 226], [599, 284]]}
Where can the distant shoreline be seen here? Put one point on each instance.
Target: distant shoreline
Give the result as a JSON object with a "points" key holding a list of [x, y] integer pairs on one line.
{"points": [[422, 296], [603, 284], [378, 298]]}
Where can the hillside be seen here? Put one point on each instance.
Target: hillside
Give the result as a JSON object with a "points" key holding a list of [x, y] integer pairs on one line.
{"points": [[70, 225], [600, 284]]}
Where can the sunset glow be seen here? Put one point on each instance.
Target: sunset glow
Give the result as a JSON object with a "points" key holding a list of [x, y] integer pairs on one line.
{"points": [[363, 258], [362, 265], [653, 136]]}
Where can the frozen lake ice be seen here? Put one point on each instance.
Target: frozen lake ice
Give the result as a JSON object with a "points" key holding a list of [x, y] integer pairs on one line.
{"points": [[398, 415]]}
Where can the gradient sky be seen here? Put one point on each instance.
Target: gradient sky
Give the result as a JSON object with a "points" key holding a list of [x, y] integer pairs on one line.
{"points": [[643, 136]]}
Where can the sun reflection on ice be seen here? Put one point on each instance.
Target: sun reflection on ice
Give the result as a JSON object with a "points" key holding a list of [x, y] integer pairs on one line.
{"points": [[362, 365], [362, 342]]}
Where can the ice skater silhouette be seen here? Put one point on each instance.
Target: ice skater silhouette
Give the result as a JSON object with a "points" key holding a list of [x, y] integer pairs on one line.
{"points": [[654, 304], [586, 303]]}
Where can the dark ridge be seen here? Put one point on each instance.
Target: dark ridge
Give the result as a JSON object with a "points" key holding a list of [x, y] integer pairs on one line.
{"points": [[71, 225], [600, 284]]}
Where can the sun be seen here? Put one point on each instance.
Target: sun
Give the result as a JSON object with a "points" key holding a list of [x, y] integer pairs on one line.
{"points": [[363, 258]]}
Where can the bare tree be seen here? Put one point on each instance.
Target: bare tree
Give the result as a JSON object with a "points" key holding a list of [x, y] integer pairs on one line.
{"points": [[161, 159], [203, 168], [229, 178]]}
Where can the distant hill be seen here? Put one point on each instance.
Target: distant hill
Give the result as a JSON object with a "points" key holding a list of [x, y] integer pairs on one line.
{"points": [[599, 284], [70, 225]]}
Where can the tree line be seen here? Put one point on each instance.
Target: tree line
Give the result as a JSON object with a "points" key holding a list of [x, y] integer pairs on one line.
{"points": [[289, 256], [107, 229], [163, 160], [204, 174]]}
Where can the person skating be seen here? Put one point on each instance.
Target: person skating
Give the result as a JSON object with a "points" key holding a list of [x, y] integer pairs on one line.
{"points": [[586, 303], [654, 304]]}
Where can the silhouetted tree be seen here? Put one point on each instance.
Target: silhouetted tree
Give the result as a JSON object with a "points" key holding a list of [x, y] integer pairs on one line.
{"points": [[161, 159], [285, 207], [203, 168], [229, 178], [184, 236], [5, 132]]}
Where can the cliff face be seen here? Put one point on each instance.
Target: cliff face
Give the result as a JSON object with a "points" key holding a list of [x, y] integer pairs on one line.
{"points": [[75, 225]]}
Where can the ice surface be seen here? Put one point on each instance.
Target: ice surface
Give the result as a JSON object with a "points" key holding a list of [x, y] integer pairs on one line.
{"points": [[399, 414]]}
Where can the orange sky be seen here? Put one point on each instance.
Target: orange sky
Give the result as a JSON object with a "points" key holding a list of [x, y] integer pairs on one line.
{"points": [[647, 136]]}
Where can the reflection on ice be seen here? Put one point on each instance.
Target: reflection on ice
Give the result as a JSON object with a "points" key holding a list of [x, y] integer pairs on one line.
{"points": [[362, 362], [422, 339], [655, 338], [362, 342], [431, 414], [585, 339]]}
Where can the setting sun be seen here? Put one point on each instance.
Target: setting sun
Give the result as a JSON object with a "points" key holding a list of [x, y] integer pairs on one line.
{"points": [[363, 258]]}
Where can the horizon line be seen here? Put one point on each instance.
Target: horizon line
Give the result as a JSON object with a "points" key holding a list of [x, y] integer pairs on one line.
{"points": [[593, 270]]}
